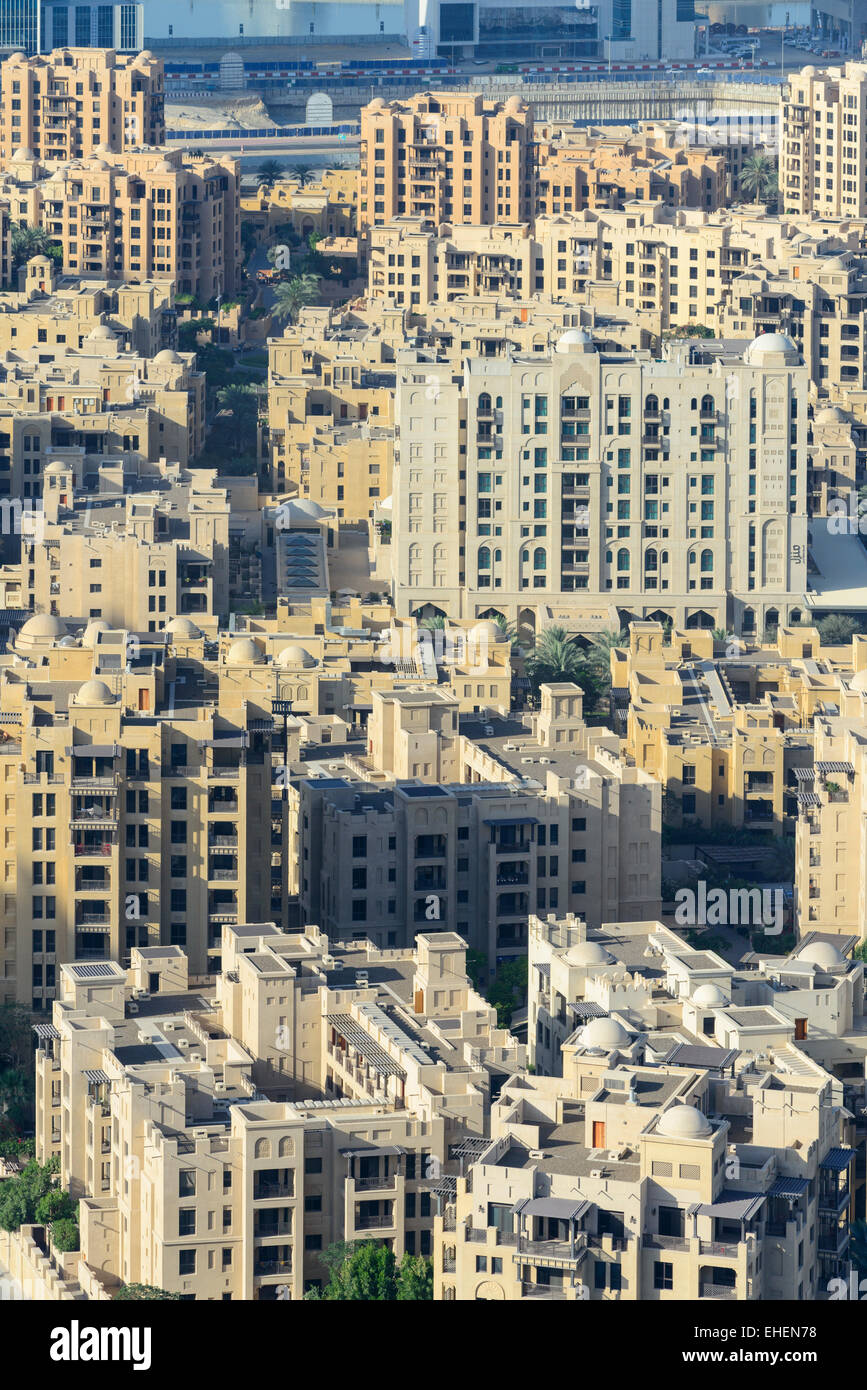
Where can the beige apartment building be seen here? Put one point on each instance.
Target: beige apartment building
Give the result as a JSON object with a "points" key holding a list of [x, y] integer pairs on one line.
{"points": [[192, 1175], [410, 264], [50, 310], [447, 156], [70, 103], [710, 1150], [83, 406], [127, 560], [326, 207], [823, 165], [542, 485], [591, 168], [830, 889], [135, 216], [498, 818]]}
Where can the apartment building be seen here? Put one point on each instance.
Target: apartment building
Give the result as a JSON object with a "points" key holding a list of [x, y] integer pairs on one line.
{"points": [[501, 818], [713, 1151], [591, 168], [411, 264], [447, 156], [129, 559], [80, 407], [60, 311], [69, 103], [136, 215], [822, 152], [192, 1176], [725, 726], [326, 207], [540, 484], [830, 892]]}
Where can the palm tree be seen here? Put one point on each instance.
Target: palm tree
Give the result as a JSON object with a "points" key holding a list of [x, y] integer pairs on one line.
{"points": [[303, 173], [604, 643], [758, 176], [435, 623], [31, 241], [268, 173], [242, 402], [556, 657], [291, 297]]}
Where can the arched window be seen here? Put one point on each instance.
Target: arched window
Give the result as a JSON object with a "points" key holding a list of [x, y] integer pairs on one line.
{"points": [[706, 561], [484, 406], [484, 558], [525, 557], [707, 405], [439, 554], [499, 403], [539, 560], [693, 405], [608, 557], [263, 1148], [498, 555], [651, 405], [623, 559], [650, 560], [665, 402], [414, 554], [287, 1147], [663, 559]]}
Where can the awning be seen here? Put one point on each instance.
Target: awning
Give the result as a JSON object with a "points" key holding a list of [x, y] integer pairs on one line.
{"points": [[733, 1206], [694, 1055], [94, 750], [788, 1187], [385, 1151], [836, 767], [97, 1077], [837, 1159], [803, 774], [558, 1208], [585, 1008], [46, 1030], [513, 820]]}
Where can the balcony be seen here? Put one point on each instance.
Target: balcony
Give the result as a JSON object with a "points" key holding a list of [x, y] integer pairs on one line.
{"points": [[716, 1247], [263, 1268], [375, 1223], [716, 1291], [659, 1242], [551, 1291], [386, 1184], [554, 1252]]}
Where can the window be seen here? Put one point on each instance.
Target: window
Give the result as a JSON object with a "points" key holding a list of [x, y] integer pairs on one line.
{"points": [[187, 1221], [663, 1275], [186, 1262], [186, 1183]]}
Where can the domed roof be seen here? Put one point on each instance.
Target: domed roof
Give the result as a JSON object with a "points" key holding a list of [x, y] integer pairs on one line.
{"points": [[831, 415], [376, 105], [604, 1033], [43, 625], [182, 627], [575, 340], [22, 154], [162, 166], [92, 631], [808, 71], [684, 1122], [55, 467], [709, 996], [97, 163], [297, 511], [243, 651], [486, 627], [513, 106], [168, 355], [821, 953], [94, 693], [587, 953], [101, 333], [767, 344], [835, 263], [295, 656], [859, 680]]}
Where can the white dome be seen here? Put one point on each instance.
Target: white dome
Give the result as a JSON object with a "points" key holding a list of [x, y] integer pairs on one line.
{"points": [[575, 340], [709, 996], [295, 656], [684, 1122], [768, 344], [94, 693], [604, 1033], [486, 628], [92, 631], [587, 953], [182, 627], [859, 680], [22, 154], [831, 415], [168, 355], [43, 625], [101, 334], [821, 953], [55, 467], [298, 511], [242, 652]]}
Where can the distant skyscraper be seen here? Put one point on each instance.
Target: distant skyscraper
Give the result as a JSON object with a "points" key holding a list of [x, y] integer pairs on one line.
{"points": [[20, 24]]}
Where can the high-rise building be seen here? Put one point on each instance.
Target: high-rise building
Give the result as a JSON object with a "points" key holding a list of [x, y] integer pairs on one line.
{"points": [[823, 154], [448, 156], [75, 101]]}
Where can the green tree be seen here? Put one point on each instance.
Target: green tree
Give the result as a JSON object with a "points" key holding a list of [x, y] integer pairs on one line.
{"points": [[758, 177], [556, 657], [508, 989], [303, 174], [129, 1293], [32, 241], [13, 1206], [65, 1235], [243, 403], [56, 1205], [367, 1270], [477, 969], [292, 296], [836, 630], [268, 173]]}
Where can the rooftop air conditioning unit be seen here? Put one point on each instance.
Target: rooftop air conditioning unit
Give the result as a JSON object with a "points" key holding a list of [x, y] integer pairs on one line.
{"points": [[596, 1172], [195, 1056], [537, 1153], [183, 1044], [526, 760], [200, 1134], [132, 1007], [219, 1085]]}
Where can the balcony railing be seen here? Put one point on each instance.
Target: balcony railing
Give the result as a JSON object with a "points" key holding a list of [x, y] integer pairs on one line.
{"points": [[716, 1291], [716, 1247]]}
